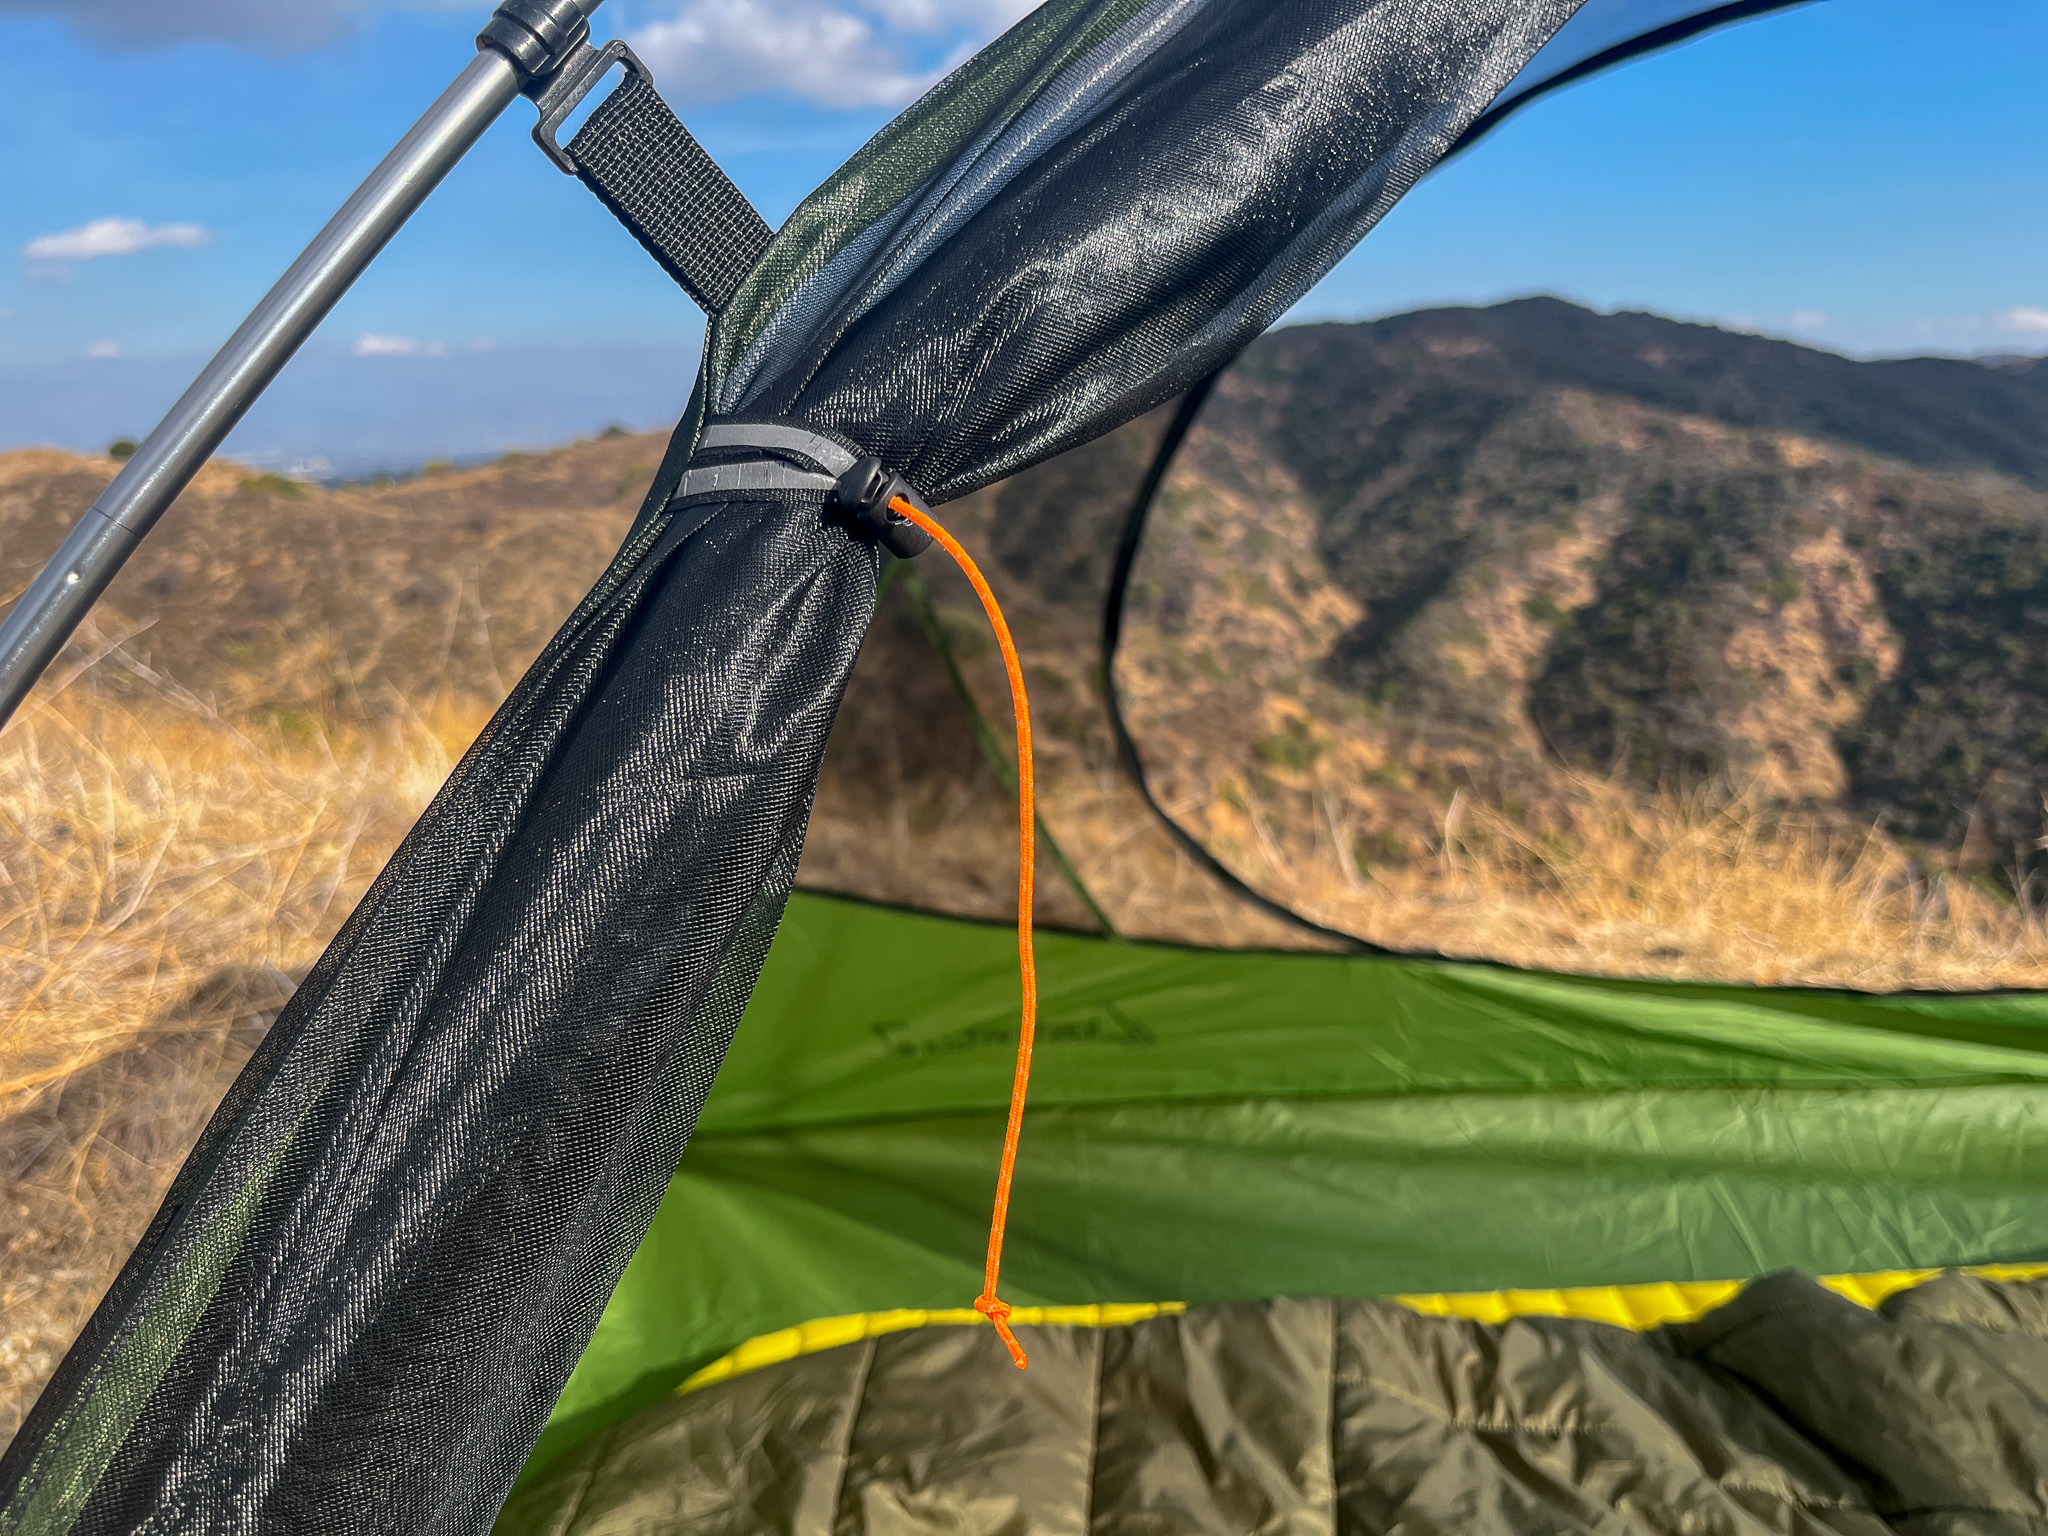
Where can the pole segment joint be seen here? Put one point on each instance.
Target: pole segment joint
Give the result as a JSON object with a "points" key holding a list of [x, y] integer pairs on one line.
{"points": [[538, 36]]}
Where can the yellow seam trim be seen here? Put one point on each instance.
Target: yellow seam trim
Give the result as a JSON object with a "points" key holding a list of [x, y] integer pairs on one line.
{"points": [[1642, 1307], [1636, 1307], [831, 1332]]}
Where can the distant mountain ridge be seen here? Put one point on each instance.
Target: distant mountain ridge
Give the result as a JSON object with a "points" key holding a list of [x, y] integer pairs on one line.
{"points": [[1937, 413], [1617, 543], [1463, 552]]}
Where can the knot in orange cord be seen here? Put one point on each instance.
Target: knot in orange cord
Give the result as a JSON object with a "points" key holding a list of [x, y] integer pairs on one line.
{"points": [[987, 1304], [997, 1311]]}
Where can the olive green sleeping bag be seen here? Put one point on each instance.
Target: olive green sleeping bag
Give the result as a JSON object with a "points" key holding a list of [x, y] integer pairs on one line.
{"points": [[1788, 1410]]}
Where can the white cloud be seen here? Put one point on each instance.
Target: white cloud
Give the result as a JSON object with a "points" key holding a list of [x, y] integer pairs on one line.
{"points": [[849, 53], [103, 350], [987, 17], [861, 54], [110, 237], [715, 49], [369, 345], [1808, 320], [268, 25], [2026, 318]]}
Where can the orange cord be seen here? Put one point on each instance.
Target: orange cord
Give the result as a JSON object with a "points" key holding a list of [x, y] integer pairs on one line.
{"points": [[995, 1310]]}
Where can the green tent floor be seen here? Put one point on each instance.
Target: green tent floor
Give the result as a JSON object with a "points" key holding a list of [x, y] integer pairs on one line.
{"points": [[1214, 1126]]}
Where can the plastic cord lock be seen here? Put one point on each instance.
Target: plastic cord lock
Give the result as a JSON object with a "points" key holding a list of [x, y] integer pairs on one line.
{"points": [[864, 493]]}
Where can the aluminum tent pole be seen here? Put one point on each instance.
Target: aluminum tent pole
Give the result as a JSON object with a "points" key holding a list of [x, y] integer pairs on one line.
{"points": [[525, 43]]}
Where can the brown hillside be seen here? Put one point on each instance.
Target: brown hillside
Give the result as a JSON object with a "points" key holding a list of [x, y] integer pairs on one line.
{"points": [[1554, 637], [1459, 578], [1613, 590], [267, 595], [1597, 643]]}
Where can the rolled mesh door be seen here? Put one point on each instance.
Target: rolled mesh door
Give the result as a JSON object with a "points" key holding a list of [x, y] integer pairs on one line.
{"points": [[370, 1281]]}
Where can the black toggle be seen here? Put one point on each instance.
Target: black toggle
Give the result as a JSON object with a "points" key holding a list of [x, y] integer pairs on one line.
{"points": [[864, 493]]}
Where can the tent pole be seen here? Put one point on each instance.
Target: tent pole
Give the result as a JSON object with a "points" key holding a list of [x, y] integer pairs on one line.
{"points": [[525, 42]]}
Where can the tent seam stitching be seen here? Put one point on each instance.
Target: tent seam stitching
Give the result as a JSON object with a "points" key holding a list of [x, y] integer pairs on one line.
{"points": [[1330, 1431], [860, 1389], [1094, 1434]]}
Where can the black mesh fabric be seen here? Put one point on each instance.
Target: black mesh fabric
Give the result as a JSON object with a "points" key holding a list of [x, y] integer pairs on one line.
{"points": [[389, 1247], [1086, 267], [371, 1280]]}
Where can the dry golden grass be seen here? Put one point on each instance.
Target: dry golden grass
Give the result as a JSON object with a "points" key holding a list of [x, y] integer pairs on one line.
{"points": [[166, 874], [168, 869], [164, 878], [937, 848], [1721, 883]]}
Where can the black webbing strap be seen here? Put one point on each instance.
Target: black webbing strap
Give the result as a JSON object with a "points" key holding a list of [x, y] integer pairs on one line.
{"points": [[646, 167]]}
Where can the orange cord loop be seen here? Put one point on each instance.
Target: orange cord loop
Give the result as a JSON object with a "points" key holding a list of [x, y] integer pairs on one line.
{"points": [[988, 1304]]}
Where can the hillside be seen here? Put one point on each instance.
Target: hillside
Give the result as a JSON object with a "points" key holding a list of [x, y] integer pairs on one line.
{"points": [[1513, 631], [1587, 642], [272, 597], [1410, 580], [1480, 550]]}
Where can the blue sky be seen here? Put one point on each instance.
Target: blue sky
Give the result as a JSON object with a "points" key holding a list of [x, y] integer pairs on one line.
{"points": [[1846, 174]]}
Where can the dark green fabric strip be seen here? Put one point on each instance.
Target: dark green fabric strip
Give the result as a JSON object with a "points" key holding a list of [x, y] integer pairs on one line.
{"points": [[867, 1013]]}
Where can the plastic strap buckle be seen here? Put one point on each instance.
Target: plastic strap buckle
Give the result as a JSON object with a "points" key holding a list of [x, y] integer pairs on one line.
{"points": [[565, 89]]}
